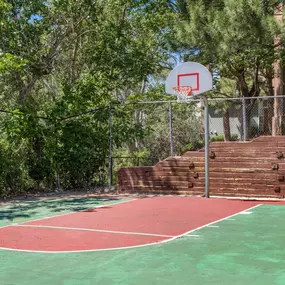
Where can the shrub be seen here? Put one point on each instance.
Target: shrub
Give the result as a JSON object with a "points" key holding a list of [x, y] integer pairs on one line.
{"points": [[193, 146], [220, 138], [13, 179]]}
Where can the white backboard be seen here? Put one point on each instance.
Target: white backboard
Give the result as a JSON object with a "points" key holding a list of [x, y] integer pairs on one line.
{"points": [[191, 74]]}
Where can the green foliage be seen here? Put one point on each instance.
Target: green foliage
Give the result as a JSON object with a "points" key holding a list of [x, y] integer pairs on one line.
{"points": [[240, 41], [81, 152], [236, 38], [197, 145], [220, 138], [62, 63], [217, 138], [13, 177], [185, 130], [9, 62]]}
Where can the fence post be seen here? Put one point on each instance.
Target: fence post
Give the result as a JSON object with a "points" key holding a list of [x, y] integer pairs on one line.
{"points": [[110, 162], [57, 175], [170, 128], [244, 123], [207, 134]]}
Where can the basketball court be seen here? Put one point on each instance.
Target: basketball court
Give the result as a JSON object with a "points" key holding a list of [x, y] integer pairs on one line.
{"points": [[157, 240], [145, 240]]}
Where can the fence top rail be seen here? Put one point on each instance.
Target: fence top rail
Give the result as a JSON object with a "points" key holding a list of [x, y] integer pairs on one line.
{"points": [[245, 98], [125, 157], [93, 110], [199, 100]]}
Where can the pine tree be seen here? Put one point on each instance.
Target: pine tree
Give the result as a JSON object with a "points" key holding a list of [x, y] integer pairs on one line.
{"points": [[236, 38]]}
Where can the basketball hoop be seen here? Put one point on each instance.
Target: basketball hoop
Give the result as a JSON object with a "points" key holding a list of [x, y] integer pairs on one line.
{"points": [[184, 93], [186, 81]]}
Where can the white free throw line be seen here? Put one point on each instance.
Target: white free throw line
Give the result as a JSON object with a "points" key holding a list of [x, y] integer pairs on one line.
{"points": [[130, 247], [69, 213], [94, 230]]}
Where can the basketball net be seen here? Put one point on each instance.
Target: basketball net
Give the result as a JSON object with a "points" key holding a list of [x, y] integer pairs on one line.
{"points": [[184, 93]]}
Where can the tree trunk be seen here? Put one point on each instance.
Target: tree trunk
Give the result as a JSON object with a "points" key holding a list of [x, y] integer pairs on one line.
{"points": [[267, 106], [26, 90], [278, 102], [226, 125], [278, 80]]}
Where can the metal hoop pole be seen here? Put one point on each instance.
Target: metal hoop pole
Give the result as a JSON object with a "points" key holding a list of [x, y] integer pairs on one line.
{"points": [[206, 127], [170, 128]]}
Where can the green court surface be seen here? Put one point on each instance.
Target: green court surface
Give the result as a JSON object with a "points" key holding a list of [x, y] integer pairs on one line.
{"points": [[245, 249], [30, 210]]}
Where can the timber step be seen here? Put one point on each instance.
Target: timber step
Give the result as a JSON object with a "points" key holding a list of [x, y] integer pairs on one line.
{"points": [[255, 168]]}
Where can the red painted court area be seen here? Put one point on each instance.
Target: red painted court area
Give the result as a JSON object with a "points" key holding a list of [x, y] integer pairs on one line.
{"points": [[133, 223]]}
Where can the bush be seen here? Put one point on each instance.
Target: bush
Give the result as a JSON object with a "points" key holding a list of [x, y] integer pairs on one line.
{"points": [[217, 139], [13, 179], [193, 146], [220, 138]]}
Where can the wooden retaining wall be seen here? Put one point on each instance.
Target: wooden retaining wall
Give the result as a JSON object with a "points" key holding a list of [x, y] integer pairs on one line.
{"points": [[248, 169]]}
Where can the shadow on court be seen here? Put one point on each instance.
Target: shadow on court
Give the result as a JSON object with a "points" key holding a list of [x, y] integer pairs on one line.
{"points": [[50, 207]]}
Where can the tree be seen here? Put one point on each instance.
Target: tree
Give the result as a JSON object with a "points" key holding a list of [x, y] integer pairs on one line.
{"points": [[59, 60], [236, 38]]}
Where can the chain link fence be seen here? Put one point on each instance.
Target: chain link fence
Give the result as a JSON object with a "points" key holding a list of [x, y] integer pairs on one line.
{"points": [[162, 129], [177, 127], [87, 149], [243, 119]]}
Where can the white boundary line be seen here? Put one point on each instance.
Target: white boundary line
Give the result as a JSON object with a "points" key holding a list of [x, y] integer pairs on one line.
{"points": [[196, 236], [249, 198], [69, 213], [134, 246], [94, 230]]}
